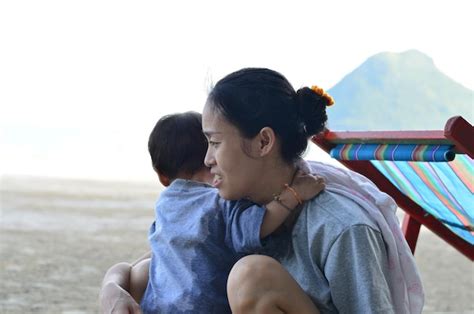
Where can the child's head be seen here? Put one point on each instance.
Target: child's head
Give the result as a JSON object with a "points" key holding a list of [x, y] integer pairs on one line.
{"points": [[177, 146]]}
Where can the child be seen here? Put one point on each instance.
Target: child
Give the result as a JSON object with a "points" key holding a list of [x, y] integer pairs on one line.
{"points": [[197, 236]]}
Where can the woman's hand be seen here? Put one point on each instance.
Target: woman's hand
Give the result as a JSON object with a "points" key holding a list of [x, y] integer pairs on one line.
{"points": [[114, 299]]}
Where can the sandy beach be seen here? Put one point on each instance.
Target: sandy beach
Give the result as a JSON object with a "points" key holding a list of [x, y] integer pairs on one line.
{"points": [[58, 237]]}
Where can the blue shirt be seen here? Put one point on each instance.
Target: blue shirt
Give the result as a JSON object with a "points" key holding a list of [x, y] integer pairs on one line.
{"points": [[195, 240]]}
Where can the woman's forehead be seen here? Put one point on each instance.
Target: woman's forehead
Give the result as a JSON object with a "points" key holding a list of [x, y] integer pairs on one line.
{"points": [[214, 123], [212, 118]]}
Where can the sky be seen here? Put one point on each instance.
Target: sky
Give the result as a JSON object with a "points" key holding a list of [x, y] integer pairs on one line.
{"points": [[82, 83]]}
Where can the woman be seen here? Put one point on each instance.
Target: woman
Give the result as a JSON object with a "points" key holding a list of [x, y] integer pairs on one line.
{"points": [[343, 251]]}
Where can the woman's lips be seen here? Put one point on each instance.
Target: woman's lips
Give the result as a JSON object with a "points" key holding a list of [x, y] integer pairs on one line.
{"points": [[216, 182]]}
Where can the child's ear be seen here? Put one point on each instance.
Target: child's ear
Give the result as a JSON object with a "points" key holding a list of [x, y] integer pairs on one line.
{"points": [[163, 179]]}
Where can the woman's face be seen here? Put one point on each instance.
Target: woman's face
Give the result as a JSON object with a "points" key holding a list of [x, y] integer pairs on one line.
{"points": [[235, 171]]}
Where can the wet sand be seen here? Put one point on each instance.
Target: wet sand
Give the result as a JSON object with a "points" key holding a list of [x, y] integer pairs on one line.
{"points": [[57, 239]]}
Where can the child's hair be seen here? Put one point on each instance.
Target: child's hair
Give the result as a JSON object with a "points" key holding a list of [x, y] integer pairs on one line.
{"points": [[177, 144], [254, 98]]}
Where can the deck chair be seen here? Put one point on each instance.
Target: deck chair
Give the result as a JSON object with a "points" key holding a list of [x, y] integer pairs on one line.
{"points": [[430, 174]]}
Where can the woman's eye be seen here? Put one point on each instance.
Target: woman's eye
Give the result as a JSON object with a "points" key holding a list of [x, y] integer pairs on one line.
{"points": [[213, 144]]}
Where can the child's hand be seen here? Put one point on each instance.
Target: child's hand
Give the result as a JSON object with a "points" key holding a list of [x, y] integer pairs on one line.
{"points": [[307, 186], [303, 188]]}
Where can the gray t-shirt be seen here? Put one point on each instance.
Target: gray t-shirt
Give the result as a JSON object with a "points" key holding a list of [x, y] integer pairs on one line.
{"points": [[337, 255]]}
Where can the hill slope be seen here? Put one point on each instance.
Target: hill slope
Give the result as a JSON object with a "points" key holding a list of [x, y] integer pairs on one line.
{"points": [[398, 91]]}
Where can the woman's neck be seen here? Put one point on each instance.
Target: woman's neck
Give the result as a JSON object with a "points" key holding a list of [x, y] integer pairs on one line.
{"points": [[274, 177]]}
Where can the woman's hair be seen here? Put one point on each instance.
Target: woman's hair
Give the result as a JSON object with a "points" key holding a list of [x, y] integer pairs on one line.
{"points": [[254, 98], [177, 144]]}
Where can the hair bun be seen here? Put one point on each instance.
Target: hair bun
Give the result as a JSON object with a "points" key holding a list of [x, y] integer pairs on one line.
{"points": [[312, 109]]}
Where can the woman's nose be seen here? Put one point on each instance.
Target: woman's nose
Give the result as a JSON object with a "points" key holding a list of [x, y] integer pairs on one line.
{"points": [[209, 160]]}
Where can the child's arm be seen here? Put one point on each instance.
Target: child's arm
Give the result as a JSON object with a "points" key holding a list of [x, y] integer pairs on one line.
{"points": [[304, 187]]}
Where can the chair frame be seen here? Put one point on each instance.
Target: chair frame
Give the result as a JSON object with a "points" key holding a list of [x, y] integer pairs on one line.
{"points": [[457, 132]]}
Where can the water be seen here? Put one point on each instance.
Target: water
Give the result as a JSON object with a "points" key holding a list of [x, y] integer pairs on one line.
{"points": [[30, 203]]}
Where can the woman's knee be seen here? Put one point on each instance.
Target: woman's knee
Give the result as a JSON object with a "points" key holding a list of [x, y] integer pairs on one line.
{"points": [[250, 283], [260, 284], [253, 270]]}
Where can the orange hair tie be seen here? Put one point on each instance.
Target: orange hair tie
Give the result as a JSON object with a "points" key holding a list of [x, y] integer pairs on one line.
{"points": [[318, 90]]}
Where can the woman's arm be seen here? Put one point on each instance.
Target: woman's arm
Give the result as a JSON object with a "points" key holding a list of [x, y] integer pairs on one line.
{"points": [[123, 286], [357, 270], [114, 296], [139, 278], [147, 255]]}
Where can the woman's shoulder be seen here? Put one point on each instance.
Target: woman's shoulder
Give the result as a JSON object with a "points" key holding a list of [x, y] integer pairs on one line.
{"points": [[322, 222], [335, 212]]}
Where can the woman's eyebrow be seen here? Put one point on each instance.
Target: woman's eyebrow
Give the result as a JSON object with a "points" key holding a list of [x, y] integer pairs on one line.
{"points": [[209, 133]]}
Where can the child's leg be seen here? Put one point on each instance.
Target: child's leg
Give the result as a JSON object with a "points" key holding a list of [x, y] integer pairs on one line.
{"points": [[139, 279], [259, 284]]}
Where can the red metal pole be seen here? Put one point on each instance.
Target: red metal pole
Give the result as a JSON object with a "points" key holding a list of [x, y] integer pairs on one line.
{"points": [[411, 230]]}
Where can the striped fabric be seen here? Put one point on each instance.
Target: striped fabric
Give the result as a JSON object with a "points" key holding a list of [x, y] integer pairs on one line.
{"points": [[405, 152], [444, 189]]}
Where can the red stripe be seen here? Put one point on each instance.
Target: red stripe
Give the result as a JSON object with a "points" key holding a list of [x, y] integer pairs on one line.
{"points": [[344, 152], [377, 154], [462, 173], [417, 153]]}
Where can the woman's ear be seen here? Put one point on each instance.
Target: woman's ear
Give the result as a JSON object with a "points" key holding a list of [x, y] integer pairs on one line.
{"points": [[266, 141]]}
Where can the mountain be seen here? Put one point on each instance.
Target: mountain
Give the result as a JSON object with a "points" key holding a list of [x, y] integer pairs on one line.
{"points": [[398, 91]]}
